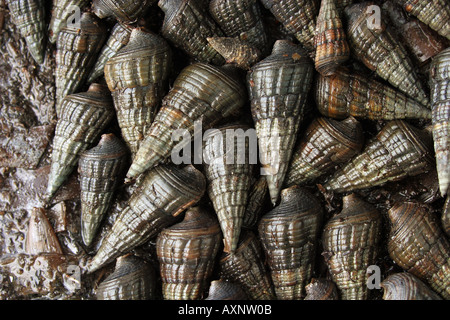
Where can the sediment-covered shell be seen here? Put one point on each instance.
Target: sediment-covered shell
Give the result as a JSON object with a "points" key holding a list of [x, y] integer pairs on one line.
{"points": [[325, 143], [321, 289], [242, 19], [228, 169], [202, 94], [137, 77], [440, 107], [118, 38], [77, 48], [132, 279], [41, 237], [127, 11], [187, 24], [289, 235], [349, 93], [82, 119], [434, 13], [164, 193], [418, 244], [100, 172], [29, 18], [186, 254], [225, 290], [258, 199], [236, 51], [246, 267], [351, 244], [405, 286], [62, 11], [298, 17], [399, 150], [330, 40], [445, 218], [379, 49], [278, 87]]}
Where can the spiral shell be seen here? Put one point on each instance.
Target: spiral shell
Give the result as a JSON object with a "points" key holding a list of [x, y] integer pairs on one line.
{"points": [[29, 18], [330, 40], [419, 246], [82, 119], [349, 93], [137, 77], [225, 290], [440, 105], [405, 286], [123, 10], [399, 150], [445, 218], [278, 87], [326, 143], [100, 171], [298, 17], [258, 199], [380, 50], [41, 237], [186, 253], [201, 92], [236, 51], [187, 24], [246, 267], [61, 12], [321, 289], [164, 193], [132, 279], [242, 19], [76, 52], [289, 235], [351, 244]]}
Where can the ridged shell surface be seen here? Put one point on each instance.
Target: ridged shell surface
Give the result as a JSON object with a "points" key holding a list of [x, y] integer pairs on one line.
{"points": [[41, 237], [62, 10], [236, 51], [225, 290], [445, 219], [321, 289], [123, 10], [405, 286]]}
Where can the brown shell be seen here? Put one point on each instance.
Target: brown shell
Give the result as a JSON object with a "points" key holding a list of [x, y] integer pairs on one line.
{"points": [[61, 11], [258, 202], [446, 216], [321, 289], [123, 10], [41, 237], [236, 51], [225, 290], [405, 286]]}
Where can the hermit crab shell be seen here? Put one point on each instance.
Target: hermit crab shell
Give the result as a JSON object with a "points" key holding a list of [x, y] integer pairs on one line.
{"points": [[278, 87], [29, 18], [132, 279], [163, 194], [321, 289], [62, 11], [351, 244], [398, 151], [289, 235], [100, 171], [186, 254], [405, 286], [225, 290], [123, 10], [418, 244]]}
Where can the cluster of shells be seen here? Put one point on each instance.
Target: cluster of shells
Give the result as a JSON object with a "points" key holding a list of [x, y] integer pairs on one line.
{"points": [[360, 106]]}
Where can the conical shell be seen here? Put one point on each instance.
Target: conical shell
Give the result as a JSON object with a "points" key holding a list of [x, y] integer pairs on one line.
{"points": [[349, 93], [186, 253], [225, 290], [289, 235], [29, 18], [258, 199], [228, 170], [127, 11], [405, 286], [330, 40], [326, 143], [399, 150], [351, 244], [132, 279], [62, 11], [82, 119], [164, 193], [77, 48], [101, 170], [440, 106], [137, 77], [419, 246], [445, 218], [236, 51], [379, 49], [118, 38], [242, 19], [41, 237], [201, 93], [187, 24], [278, 87], [434, 13], [246, 267], [298, 17], [321, 289]]}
